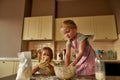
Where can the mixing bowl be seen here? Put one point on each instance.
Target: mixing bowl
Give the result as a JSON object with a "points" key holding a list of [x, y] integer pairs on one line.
{"points": [[63, 72]]}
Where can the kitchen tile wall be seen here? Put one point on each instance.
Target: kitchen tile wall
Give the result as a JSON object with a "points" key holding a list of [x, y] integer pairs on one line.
{"points": [[117, 47], [40, 44], [107, 46], [101, 45], [60, 45]]}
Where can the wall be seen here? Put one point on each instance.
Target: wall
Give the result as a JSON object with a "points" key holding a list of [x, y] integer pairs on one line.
{"points": [[66, 8], [43, 7], [27, 13], [11, 22]]}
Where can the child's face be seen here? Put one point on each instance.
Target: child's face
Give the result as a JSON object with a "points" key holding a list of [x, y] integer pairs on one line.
{"points": [[46, 53], [68, 31]]}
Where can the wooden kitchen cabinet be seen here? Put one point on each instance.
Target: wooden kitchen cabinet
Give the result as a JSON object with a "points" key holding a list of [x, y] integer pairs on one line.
{"points": [[84, 25], [16, 66], [104, 27], [38, 28], [6, 68], [31, 28], [11, 67]]}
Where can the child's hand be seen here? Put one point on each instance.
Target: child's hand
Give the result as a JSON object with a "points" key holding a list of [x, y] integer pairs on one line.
{"points": [[44, 62], [44, 59]]}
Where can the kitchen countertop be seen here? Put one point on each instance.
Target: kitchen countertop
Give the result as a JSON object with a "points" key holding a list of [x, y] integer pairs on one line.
{"points": [[112, 61], [9, 59], [17, 59], [12, 59], [12, 77]]}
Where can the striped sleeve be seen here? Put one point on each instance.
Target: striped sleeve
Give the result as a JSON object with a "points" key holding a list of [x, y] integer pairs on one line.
{"points": [[68, 43], [81, 37]]}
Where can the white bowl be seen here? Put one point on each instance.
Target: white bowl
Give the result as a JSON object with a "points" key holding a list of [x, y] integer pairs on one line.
{"points": [[63, 72]]}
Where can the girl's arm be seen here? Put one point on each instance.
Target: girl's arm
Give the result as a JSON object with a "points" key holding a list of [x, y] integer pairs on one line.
{"points": [[82, 47], [67, 55]]}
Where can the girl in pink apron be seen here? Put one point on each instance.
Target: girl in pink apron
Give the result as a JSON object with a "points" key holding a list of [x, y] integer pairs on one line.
{"points": [[85, 55]]}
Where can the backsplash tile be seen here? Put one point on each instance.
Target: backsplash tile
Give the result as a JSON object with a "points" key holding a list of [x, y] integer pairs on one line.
{"points": [[117, 47], [60, 45], [102, 45], [40, 44]]}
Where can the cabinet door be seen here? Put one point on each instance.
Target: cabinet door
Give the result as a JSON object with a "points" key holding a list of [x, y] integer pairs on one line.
{"points": [[31, 28], [58, 34], [104, 28], [16, 65], [6, 68], [84, 25], [26, 29], [46, 28]]}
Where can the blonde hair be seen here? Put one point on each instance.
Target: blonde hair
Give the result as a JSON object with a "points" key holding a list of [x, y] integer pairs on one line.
{"points": [[70, 22]]}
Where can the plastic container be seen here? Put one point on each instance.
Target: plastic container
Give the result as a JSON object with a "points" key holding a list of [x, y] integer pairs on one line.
{"points": [[99, 67]]}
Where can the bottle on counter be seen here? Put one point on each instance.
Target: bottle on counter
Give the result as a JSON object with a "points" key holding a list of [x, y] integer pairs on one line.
{"points": [[99, 67]]}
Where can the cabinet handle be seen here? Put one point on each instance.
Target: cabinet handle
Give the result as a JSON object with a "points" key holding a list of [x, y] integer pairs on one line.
{"points": [[3, 62]]}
